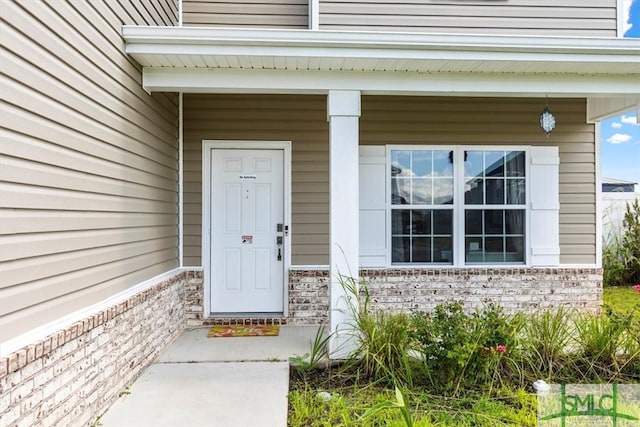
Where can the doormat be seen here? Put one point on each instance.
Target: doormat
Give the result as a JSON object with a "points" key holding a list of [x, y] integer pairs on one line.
{"points": [[244, 331]]}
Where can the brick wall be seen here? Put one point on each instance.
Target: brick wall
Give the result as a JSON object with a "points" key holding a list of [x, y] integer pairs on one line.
{"points": [[515, 289], [72, 376], [194, 298], [411, 289], [308, 301], [308, 297], [415, 289]]}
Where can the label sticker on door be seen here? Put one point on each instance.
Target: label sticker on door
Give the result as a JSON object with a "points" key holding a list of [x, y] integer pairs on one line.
{"points": [[247, 240], [248, 177]]}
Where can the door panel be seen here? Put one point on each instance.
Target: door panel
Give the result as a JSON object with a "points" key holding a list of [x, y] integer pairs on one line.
{"points": [[247, 267]]}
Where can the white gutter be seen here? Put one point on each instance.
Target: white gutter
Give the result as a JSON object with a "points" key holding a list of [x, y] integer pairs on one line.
{"points": [[189, 36]]}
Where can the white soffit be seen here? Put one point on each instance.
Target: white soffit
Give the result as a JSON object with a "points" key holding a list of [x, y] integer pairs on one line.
{"points": [[316, 61]]}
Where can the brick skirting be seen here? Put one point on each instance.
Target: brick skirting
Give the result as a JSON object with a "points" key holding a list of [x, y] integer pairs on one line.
{"points": [[308, 302], [515, 289], [421, 289], [72, 376]]}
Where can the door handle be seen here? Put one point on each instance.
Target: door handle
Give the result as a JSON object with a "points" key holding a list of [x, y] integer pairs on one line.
{"points": [[279, 243]]}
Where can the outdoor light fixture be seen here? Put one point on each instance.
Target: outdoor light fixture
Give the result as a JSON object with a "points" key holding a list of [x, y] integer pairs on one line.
{"points": [[547, 121]]}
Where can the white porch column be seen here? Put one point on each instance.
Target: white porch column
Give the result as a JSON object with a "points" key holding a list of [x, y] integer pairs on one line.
{"points": [[343, 113]]}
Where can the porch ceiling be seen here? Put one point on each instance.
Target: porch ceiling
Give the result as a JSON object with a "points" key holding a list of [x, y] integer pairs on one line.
{"points": [[165, 50]]}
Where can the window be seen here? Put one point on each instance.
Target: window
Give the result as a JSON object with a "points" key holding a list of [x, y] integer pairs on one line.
{"points": [[494, 206], [460, 206], [421, 206]]}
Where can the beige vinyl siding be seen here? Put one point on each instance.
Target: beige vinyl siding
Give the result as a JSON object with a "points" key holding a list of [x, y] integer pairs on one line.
{"points": [[487, 121], [299, 119], [576, 18], [246, 13], [389, 120], [88, 160]]}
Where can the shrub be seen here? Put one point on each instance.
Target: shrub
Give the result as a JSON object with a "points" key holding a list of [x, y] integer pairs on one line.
{"points": [[621, 253], [631, 243], [464, 349]]}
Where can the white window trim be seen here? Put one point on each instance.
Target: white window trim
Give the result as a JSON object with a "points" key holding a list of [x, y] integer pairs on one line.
{"points": [[458, 204]]}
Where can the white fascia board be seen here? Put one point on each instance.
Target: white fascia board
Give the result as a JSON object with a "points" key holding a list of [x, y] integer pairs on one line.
{"points": [[186, 36], [381, 83], [389, 51], [138, 51], [173, 42]]}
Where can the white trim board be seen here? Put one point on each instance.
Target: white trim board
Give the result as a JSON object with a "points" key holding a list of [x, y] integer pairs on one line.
{"points": [[180, 179], [206, 203], [314, 15], [140, 38], [598, 164], [387, 83]]}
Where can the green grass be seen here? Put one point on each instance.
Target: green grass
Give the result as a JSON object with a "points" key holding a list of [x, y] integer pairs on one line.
{"points": [[350, 406], [621, 298]]}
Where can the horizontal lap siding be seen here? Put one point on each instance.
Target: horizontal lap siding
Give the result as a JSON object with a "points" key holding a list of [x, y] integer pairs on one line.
{"points": [[88, 160], [576, 18], [299, 119], [389, 120], [485, 121], [246, 13]]}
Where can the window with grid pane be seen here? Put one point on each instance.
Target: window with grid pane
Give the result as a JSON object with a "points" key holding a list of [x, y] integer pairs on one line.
{"points": [[422, 206], [494, 206]]}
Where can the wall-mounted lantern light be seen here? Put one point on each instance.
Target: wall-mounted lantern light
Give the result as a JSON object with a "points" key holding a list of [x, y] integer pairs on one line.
{"points": [[547, 121]]}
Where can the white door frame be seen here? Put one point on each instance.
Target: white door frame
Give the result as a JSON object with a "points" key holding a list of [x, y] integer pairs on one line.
{"points": [[207, 146]]}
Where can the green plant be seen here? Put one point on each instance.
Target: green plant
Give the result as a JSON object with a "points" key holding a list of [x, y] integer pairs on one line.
{"points": [[631, 243], [499, 336], [466, 349], [446, 342], [382, 339], [483, 359], [319, 351], [600, 339], [400, 403], [545, 341], [621, 251]]}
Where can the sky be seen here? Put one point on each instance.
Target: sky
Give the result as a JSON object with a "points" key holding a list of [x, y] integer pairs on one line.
{"points": [[620, 144]]}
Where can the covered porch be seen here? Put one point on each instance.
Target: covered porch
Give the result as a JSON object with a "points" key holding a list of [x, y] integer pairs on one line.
{"points": [[339, 101]]}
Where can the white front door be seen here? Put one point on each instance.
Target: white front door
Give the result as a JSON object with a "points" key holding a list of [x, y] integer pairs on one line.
{"points": [[247, 220]]}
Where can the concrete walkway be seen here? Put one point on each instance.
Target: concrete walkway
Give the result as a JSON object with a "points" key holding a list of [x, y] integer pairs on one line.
{"points": [[200, 381]]}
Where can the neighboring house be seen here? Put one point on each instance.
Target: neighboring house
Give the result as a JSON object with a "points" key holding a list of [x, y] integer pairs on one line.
{"points": [[618, 186], [170, 164], [616, 194]]}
